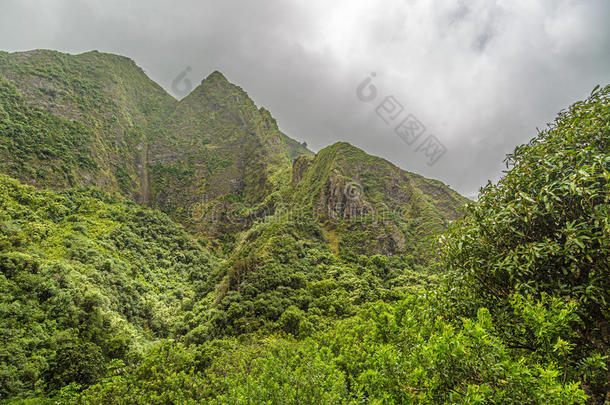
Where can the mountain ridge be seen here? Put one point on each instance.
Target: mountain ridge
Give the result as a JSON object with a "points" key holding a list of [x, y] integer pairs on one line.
{"points": [[194, 158], [188, 251]]}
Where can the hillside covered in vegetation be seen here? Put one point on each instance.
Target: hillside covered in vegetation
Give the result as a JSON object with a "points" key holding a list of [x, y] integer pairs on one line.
{"points": [[158, 251]]}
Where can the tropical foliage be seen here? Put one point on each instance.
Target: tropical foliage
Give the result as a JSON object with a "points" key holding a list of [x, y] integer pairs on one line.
{"points": [[339, 278]]}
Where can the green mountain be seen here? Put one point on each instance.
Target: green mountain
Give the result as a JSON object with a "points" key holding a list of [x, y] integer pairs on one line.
{"points": [[105, 104], [217, 147], [368, 205], [162, 251], [213, 161], [284, 256], [85, 278]]}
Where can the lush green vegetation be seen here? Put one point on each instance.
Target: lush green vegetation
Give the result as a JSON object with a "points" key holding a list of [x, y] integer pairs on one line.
{"points": [[105, 106], [401, 353], [85, 278], [544, 231], [39, 146], [283, 277], [501, 327], [339, 278]]}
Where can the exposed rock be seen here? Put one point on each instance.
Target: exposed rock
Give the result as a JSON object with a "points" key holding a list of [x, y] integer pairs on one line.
{"points": [[299, 166]]}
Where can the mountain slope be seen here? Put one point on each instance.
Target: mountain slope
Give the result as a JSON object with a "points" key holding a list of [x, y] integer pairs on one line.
{"points": [[349, 228], [217, 144], [86, 278], [40, 147], [108, 94], [185, 158], [370, 204]]}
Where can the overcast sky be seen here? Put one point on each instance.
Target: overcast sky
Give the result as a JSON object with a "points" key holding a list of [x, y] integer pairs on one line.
{"points": [[479, 75]]}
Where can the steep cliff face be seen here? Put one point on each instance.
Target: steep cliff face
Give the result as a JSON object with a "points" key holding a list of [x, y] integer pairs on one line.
{"points": [[290, 233], [214, 161], [299, 167], [375, 206], [107, 99], [216, 145], [98, 120]]}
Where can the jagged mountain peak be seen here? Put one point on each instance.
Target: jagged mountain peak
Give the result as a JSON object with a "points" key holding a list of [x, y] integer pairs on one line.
{"points": [[216, 76], [231, 147], [218, 92], [189, 157]]}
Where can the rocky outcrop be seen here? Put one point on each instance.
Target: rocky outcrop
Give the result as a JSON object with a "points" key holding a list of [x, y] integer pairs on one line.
{"points": [[299, 166], [372, 205], [343, 199]]}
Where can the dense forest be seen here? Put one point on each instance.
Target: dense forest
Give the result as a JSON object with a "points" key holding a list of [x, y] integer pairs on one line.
{"points": [[158, 252]]}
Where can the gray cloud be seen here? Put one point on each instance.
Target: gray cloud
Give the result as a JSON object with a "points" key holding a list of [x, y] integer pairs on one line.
{"points": [[480, 75]]}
